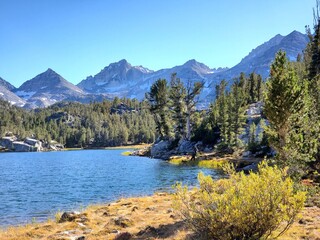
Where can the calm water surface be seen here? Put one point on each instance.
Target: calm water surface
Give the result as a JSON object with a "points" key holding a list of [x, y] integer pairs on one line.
{"points": [[34, 186]]}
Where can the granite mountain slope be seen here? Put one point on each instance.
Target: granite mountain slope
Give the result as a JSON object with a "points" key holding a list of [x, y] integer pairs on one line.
{"points": [[48, 88], [124, 80]]}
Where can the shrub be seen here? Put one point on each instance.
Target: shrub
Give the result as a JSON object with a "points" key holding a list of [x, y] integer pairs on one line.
{"points": [[241, 207]]}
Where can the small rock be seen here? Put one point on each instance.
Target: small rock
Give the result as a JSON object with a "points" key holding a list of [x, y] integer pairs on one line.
{"points": [[150, 208], [105, 214], [302, 221], [81, 224], [247, 154], [87, 231], [69, 216], [162, 194], [126, 204], [252, 167], [123, 236], [123, 222], [80, 238], [82, 219], [148, 229], [134, 208]]}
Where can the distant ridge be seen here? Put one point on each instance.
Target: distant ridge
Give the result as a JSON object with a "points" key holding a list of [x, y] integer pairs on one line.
{"points": [[46, 89], [124, 80]]}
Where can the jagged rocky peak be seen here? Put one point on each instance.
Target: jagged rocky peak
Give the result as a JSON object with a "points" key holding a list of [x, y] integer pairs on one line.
{"points": [[46, 89], [261, 49], [121, 64], [46, 82], [116, 75], [125, 66], [193, 62], [260, 58], [190, 69]]}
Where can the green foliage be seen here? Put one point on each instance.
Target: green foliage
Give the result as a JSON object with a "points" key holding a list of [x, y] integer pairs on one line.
{"points": [[192, 91], [158, 98], [250, 206], [178, 107], [227, 113], [283, 99], [173, 107], [82, 125]]}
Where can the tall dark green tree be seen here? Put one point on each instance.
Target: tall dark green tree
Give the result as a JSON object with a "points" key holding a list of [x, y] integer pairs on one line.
{"points": [[283, 99], [192, 92], [222, 111], [259, 88], [178, 105], [252, 87], [158, 98], [236, 116]]}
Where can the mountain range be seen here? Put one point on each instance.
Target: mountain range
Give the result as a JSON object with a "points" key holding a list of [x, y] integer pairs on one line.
{"points": [[124, 80]]}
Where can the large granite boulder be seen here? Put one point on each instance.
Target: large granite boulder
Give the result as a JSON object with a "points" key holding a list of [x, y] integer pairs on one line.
{"points": [[36, 144], [160, 149], [55, 146], [186, 147], [6, 142], [21, 147]]}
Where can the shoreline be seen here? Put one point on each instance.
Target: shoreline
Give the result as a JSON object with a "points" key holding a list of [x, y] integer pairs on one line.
{"points": [[147, 217], [135, 146]]}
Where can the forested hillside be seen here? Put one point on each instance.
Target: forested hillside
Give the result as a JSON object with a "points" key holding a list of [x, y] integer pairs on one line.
{"points": [[110, 123]]}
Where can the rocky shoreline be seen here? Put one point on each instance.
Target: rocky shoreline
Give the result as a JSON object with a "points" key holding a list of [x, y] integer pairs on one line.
{"points": [[11, 143]]}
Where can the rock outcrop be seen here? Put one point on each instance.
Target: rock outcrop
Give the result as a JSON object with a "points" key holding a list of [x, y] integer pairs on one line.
{"points": [[164, 149], [36, 144], [6, 142], [18, 146], [11, 143], [160, 149]]}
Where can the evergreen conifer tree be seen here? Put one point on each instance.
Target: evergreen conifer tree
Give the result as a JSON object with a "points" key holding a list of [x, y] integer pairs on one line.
{"points": [[283, 98], [158, 99]]}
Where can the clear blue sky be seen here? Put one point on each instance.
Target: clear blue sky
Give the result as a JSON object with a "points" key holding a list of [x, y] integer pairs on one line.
{"points": [[78, 38]]}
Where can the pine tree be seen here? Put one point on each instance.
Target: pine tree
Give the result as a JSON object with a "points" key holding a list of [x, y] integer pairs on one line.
{"points": [[283, 98], [177, 96], [158, 99], [222, 111], [252, 87], [238, 118], [192, 92], [259, 88]]}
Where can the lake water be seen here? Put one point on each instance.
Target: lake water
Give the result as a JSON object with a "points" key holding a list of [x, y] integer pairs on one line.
{"points": [[34, 186]]}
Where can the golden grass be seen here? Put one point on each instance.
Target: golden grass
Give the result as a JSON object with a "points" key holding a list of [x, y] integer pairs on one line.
{"points": [[138, 146], [215, 163], [149, 217], [126, 153], [72, 149]]}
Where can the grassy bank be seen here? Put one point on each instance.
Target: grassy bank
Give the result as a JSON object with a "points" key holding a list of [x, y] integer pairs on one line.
{"points": [[210, 160], [209, 163], [149, 217], [137, 146]]}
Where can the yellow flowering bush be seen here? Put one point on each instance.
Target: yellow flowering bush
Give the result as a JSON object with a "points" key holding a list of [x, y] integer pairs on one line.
{"points": [[243, 206]]}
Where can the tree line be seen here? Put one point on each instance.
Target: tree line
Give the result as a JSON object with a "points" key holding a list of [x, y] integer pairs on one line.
{"points": [[109, 123]]}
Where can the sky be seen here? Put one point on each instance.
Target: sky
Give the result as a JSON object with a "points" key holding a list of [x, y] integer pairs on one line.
{"points": [[78, 38]]}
